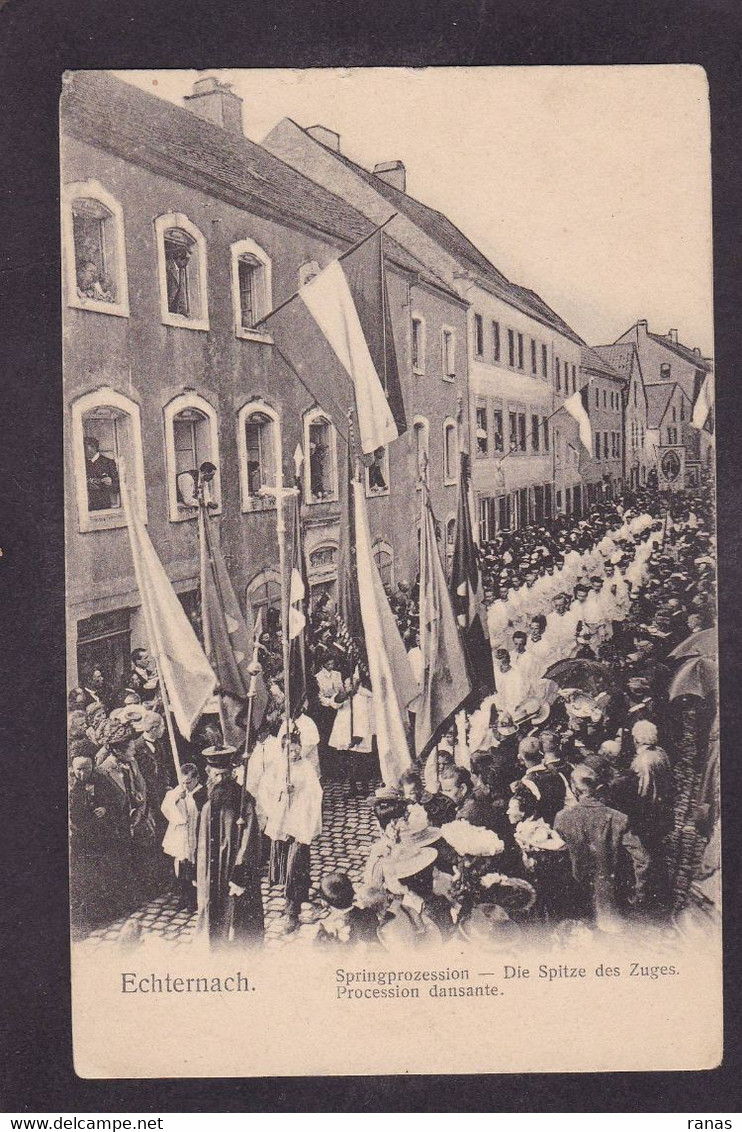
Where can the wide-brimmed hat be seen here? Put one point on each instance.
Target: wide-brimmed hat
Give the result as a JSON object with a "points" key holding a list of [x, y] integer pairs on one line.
{"points": [[505, 724], [220, 758], [420, 838], [408, 861], [583, 706], [532, 711]]}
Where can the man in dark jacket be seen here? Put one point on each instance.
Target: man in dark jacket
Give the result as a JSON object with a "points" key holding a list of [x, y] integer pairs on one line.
{"points": [[595, 837], [230, 906], [102, 477]]}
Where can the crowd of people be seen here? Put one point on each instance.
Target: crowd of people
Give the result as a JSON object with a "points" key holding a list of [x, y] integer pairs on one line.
{"points": [[547, 803]]}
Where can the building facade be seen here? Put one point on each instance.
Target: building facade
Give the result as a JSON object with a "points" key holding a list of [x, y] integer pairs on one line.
{"points": [[522, 358], [663, 358], [603, 471], [178, 236], [671, 434], [638, 452]]}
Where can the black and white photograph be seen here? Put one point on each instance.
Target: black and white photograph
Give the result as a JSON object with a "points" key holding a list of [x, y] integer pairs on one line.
{"points": [[390, 529]]}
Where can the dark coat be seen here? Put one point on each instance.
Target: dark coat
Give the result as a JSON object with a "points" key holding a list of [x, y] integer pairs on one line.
{"points": [[594, 835], [224, 855]]}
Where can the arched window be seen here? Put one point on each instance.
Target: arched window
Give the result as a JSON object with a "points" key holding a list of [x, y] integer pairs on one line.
{"points": [[377, 474], [181, 264], [263, 596], [322, 569], [308, 271], [259, 450], [320, 469], [192, 450], [107, 442], [421, 441], [94, 249], [450, 452], [252, 288], [384, 559]]}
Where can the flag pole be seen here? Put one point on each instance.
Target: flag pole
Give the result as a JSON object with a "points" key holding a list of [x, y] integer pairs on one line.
{"points": [[280, 493], [154, 642], [254, 669], [343, 255]]}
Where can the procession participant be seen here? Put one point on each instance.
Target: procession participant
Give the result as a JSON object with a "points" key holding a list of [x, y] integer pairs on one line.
{"points": [[510, 688], [499, 618], [230, 906], [309, 733], [181, 808], [292, 798], [560, 628], [324, 709], [352, 737]]}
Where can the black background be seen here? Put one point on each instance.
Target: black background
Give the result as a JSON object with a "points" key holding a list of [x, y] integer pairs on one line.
{"points": [[39, 40]]}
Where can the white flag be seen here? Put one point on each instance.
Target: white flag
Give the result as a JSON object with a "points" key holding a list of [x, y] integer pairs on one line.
{"points": [[187, 676], [703, 404], [330, 302], [392, 681], [575, 406]]}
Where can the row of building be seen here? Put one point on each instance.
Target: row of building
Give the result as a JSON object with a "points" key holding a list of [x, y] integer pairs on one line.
{"points": [[179, 235]]}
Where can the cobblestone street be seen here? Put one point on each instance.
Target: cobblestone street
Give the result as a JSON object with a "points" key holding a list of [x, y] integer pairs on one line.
{"points": [[348, 831]]}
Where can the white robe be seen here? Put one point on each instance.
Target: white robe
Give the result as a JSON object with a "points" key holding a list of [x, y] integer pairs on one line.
{"points": [[293, 813], [511, 690]]}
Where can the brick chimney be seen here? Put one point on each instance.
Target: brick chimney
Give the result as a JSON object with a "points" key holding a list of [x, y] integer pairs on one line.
{"points": [[216, 102], [325, 137], [642, 328], [393, 173], [672, 336]]}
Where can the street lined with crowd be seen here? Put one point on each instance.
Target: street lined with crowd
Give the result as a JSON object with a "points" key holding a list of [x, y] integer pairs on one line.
{"points": [[551, 803]]}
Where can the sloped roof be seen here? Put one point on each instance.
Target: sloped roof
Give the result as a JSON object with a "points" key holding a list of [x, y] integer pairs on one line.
{"points": [[453, 241], [105, 111], [682, 351], [593, 361], [619, 356], [658, 398]]}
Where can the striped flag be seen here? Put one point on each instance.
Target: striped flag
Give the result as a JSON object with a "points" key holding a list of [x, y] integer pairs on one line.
{"points": [[466, 591], [336, 333], [229, 639], [446, 682]]}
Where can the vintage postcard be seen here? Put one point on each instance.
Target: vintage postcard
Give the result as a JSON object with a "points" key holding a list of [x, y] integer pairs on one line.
{"points": [[391, 571]]}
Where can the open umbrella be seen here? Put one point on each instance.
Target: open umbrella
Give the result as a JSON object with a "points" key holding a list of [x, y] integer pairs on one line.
{"points": [[588, 675], [697, 644], [697, 677]]}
